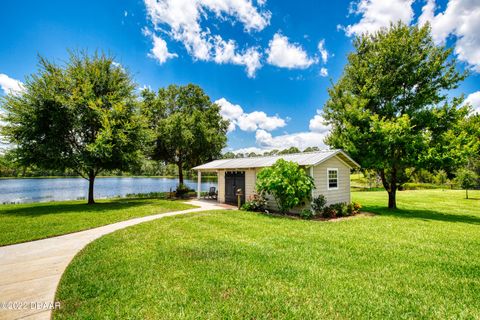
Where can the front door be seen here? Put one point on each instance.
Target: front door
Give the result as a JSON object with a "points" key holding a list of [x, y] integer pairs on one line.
{"points": [[233, 181]]}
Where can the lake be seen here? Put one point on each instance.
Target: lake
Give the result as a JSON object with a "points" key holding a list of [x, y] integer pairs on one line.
{"points": [[57, 189]]}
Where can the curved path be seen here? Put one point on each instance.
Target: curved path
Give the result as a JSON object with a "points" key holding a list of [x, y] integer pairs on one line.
{"points": [[30, 272]]}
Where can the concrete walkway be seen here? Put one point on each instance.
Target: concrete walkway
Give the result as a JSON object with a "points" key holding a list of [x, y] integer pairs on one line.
{"points": [[30, 272]]}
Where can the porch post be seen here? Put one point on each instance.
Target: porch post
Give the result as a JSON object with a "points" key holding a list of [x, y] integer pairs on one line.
{"points": [[199, 184]]}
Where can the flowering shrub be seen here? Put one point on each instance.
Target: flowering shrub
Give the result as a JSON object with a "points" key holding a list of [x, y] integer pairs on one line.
{"points": [[256, 202]]}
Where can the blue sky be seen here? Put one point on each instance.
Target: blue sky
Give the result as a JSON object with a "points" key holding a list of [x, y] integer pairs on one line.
{"points": [[261, 60]]}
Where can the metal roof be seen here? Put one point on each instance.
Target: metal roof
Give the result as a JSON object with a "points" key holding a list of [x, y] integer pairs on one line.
{"points": [[303, 159]]}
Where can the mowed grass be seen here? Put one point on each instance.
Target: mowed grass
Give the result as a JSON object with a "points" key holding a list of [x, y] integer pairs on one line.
{"points": [[419, 262], [26, 222]]}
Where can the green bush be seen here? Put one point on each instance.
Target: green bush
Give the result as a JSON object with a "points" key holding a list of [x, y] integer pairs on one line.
{"points": [[329, 212], [182, 191], [287, 182], [256, 202], [307, 214], [341, 209], [318, 204], [350, 209]]}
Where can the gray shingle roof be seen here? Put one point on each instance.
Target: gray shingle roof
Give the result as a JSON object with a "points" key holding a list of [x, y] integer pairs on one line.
{"points": [[303, 159]]}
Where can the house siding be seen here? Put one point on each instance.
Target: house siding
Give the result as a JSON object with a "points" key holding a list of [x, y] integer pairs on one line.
{"points": [[342, 194], [250, 181]]}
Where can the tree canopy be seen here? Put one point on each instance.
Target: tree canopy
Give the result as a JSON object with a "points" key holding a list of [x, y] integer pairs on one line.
{"points": [[187, 126], [81, 115], [390, 110]]}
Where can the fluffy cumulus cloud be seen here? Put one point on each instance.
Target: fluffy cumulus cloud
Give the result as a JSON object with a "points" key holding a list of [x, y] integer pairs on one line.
{"points": [[460, 19], [315, 137], [317, 124], [282, 53], [301, 140], [473, 100], [160, 51], [10, 85], [377, 14], [248, 121], [181, 20]]}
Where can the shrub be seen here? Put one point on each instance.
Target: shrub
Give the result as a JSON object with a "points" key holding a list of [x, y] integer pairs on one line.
{"points": [[257, 202], [318, 204], [330, 212], [289, 184], [356, 207], [182, 191], [341, 209], [307, 214], [350, 209]]}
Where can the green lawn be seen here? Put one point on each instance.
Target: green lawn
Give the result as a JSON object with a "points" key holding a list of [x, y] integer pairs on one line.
{"points": [[26, 222], [419, 262]]}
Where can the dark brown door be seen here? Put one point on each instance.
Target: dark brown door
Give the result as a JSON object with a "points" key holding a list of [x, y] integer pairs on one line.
{"points": [[233, 181]]}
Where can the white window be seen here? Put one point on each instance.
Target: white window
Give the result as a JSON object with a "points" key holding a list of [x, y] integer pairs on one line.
{"points": [[332, 178]]}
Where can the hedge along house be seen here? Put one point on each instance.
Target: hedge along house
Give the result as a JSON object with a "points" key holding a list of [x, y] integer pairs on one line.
{"points": [[330, 170]]}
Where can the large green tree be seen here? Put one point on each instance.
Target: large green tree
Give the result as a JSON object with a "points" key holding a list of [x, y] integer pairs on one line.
{"points": [[390, 109], [188, 127], [81, 115]]}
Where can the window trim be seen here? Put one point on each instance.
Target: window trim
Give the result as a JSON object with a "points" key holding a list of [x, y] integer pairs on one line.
{"points": [[328, 178]]}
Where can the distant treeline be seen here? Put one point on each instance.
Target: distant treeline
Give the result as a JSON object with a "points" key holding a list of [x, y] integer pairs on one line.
{"points": [[11, 168], [274, 152]]}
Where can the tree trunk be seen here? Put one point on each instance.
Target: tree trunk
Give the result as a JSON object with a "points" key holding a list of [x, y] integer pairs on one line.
{"points": [[391, 187], [180, 173], [392, 199], [466, 193], [91, 181]]}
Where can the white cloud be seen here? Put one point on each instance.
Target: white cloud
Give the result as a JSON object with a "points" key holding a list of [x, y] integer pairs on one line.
{"points": [[461, 19], [248, 121], [10, 85], [282, 53], [323, 51], [250, 149], [183, 17], [301, 140], [226, 52], [377, 14], [160, 51], [473, 99], [317, 124], [323, 72]]}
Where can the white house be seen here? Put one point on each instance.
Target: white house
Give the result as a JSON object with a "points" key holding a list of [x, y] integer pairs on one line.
{"points": [[330, 170]]}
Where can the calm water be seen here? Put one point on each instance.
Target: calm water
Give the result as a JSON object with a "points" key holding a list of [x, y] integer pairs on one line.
{"points": [[41, 190]]}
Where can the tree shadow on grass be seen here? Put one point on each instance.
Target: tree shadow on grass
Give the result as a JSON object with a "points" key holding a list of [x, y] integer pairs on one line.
{"points": [[61, 208], [425, 215]]}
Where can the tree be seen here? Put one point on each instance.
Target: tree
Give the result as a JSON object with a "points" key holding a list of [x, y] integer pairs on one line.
{"points": [[81, 115], [290, 150], [287, 182], [311, 149], [467, 179], [228, 155], [187, 126], [390, 111]]}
